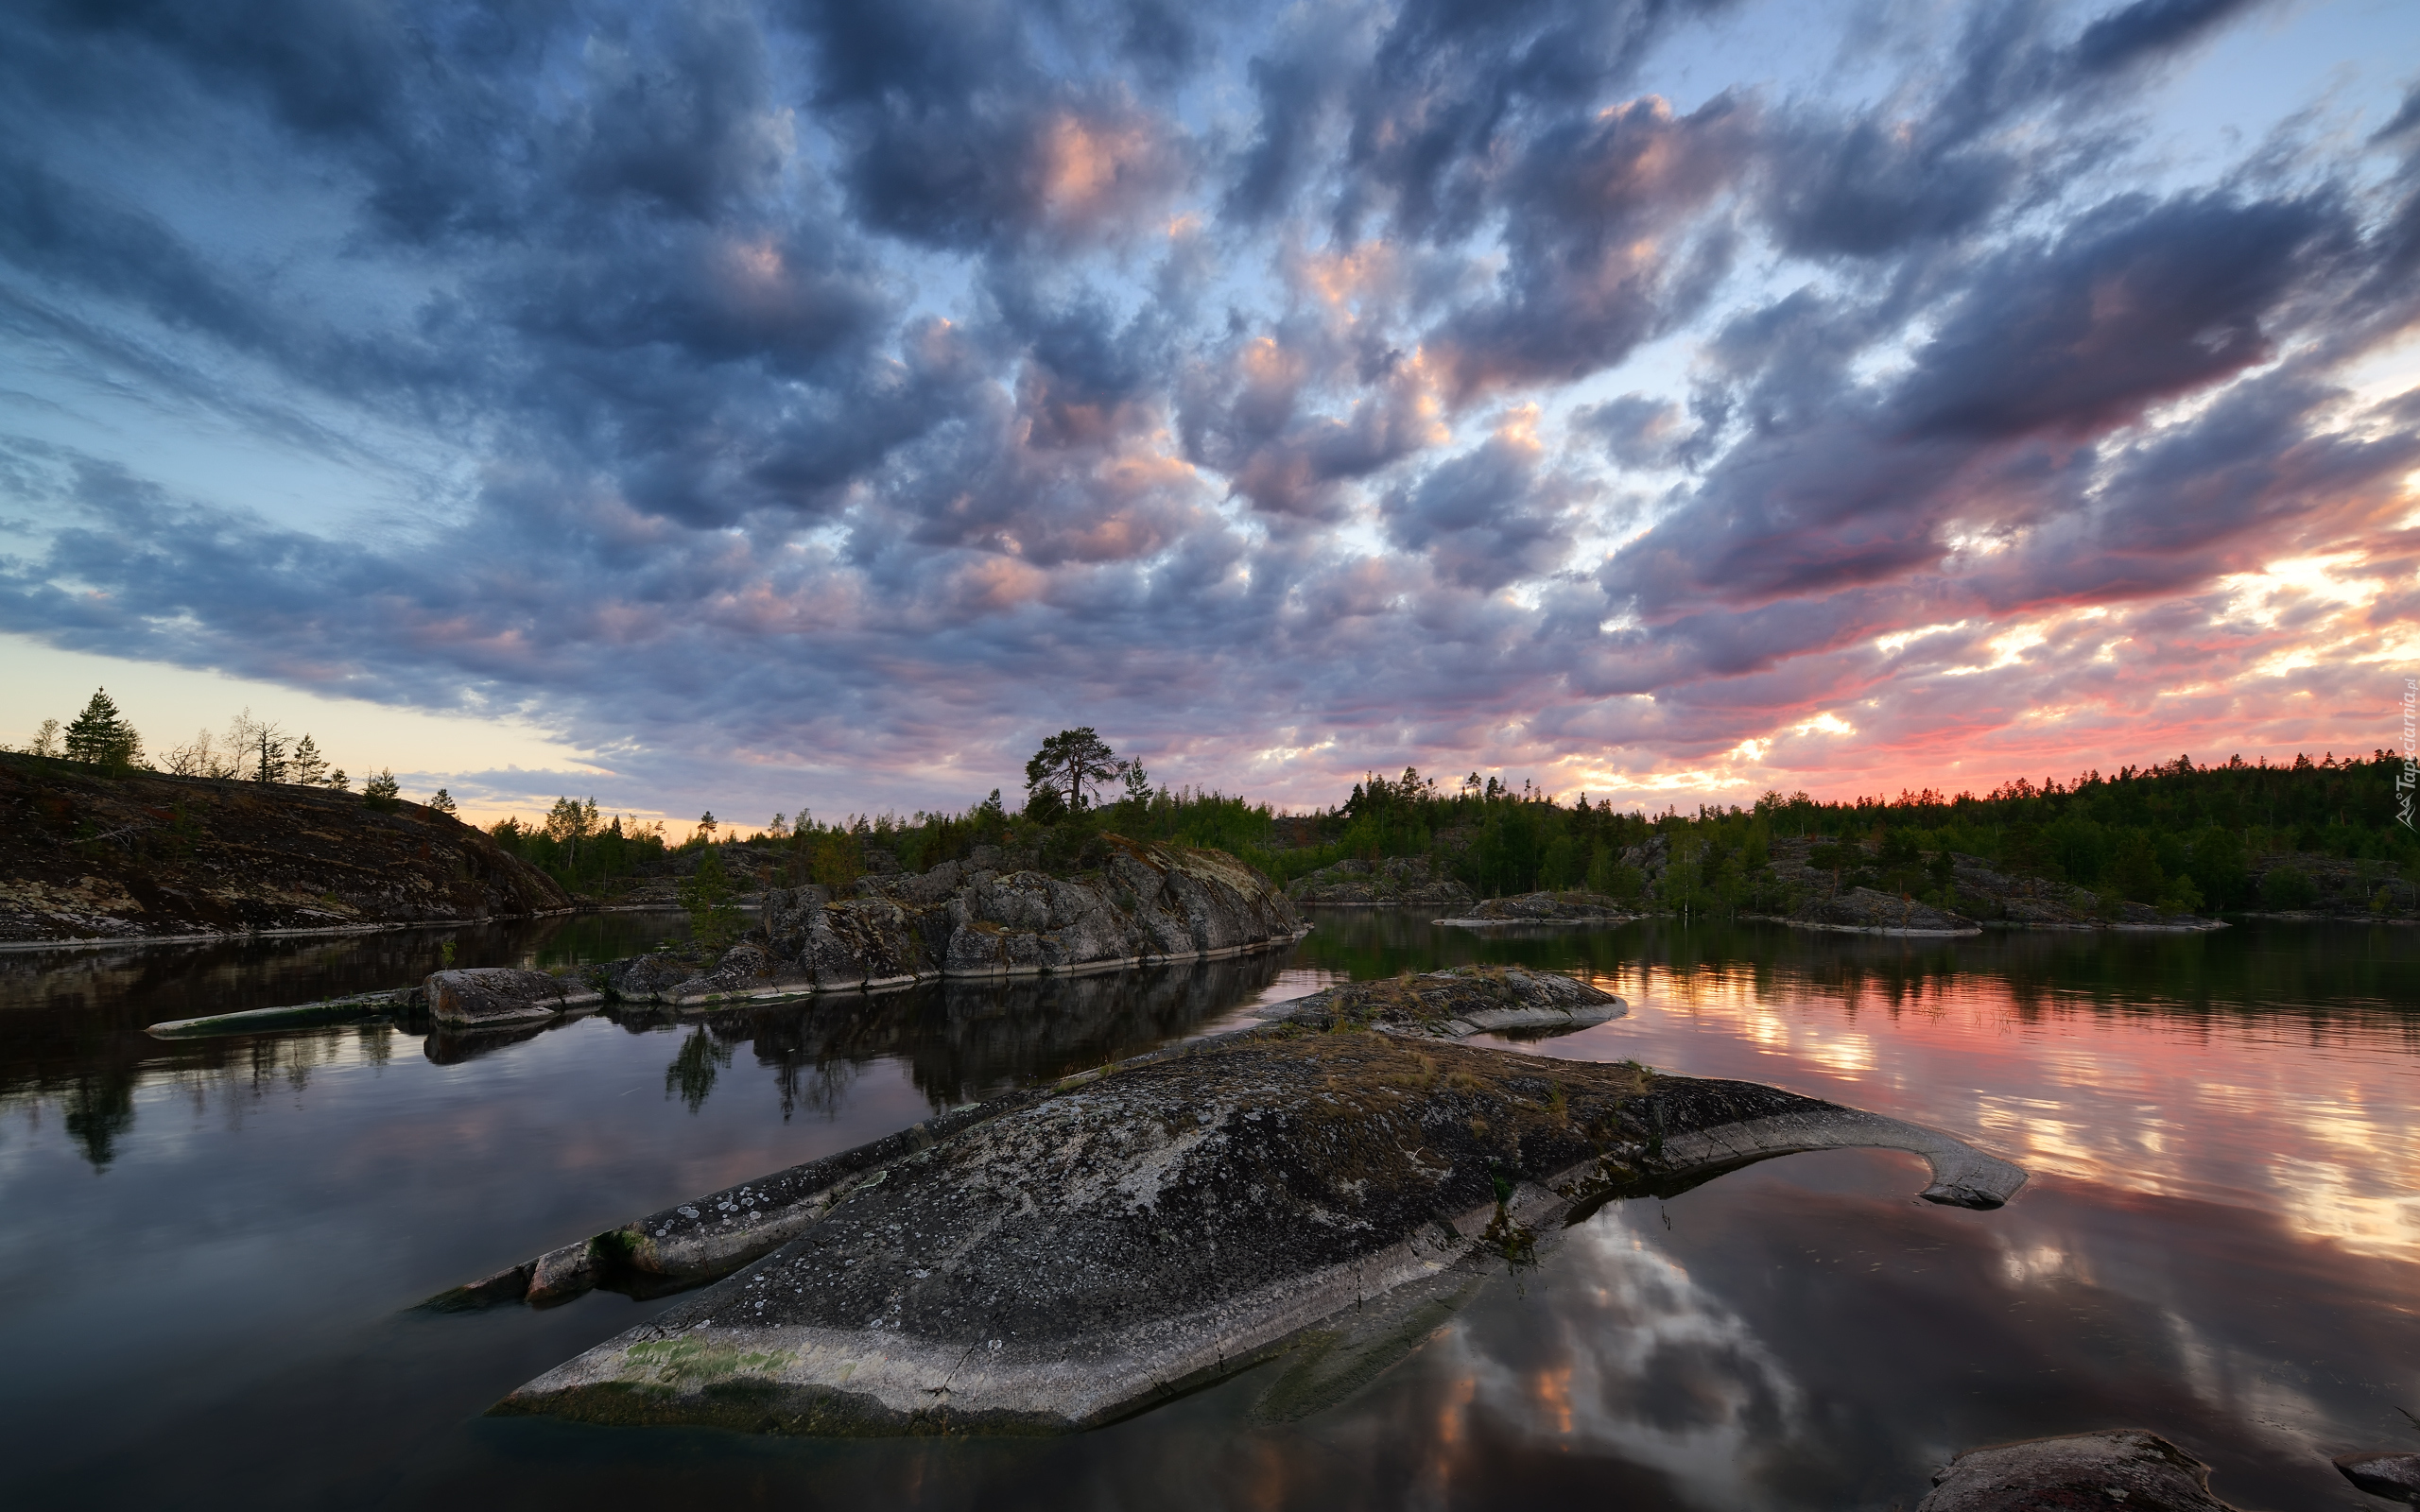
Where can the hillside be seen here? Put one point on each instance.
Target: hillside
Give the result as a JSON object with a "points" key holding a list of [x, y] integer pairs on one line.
{"points": [[147, 856]]}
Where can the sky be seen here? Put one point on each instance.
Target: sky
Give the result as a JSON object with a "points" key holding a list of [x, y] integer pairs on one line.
{"points": [[802, 406]]}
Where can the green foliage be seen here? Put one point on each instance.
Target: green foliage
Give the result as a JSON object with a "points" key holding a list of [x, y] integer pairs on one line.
{"points": [[1068, 766], [101, 737], [580, 849], [2136, 872], [308, 766], [381, 792], [444, 803], [2179, 837], [715, 921], [2287, 887]]}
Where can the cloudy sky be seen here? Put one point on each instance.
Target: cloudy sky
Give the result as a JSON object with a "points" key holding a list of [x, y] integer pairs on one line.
{"points": [[797, 404]]}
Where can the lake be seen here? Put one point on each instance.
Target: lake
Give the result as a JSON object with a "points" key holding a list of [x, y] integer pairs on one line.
{"points": [[212, 1249]]}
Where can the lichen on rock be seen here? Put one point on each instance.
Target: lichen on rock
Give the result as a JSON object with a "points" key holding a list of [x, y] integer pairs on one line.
{"points": [[1069, 1254]]}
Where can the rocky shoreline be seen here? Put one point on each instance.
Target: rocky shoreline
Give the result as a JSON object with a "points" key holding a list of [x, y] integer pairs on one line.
{"points": [[1066, 1255]]}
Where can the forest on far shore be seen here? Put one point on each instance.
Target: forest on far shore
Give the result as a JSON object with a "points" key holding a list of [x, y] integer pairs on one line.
{"points": [[2232, 836]]}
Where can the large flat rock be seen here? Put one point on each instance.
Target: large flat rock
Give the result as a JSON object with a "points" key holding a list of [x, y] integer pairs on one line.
{"points": [[1073, 1254]]}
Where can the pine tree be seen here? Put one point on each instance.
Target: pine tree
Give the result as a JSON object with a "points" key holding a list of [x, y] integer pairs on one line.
{"points": [[381, 791], [443, 802], [268, 755], [100, 737], [307, 765]]}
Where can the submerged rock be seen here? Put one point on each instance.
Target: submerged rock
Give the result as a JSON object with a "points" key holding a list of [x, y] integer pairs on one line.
{"points": [[356, 1008], [1578, 907], [2116, 1467], [492, 996], [1405, 881], [1066, 1255]]}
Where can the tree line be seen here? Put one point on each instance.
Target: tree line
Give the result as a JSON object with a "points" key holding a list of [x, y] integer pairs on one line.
{"points": [[251, 750], [2174, 835]]}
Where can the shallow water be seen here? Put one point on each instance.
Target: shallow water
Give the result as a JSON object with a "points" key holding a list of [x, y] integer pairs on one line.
{"points": [[213, 1246]]}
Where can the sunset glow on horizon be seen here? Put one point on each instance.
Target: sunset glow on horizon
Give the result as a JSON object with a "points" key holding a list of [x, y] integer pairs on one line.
{"points": [[762, 407]]}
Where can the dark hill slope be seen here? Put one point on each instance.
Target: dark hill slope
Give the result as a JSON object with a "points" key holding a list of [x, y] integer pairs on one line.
{"points": [[146, 856]]}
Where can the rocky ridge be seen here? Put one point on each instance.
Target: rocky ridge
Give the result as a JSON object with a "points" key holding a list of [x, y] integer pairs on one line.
{"points": [[1147, 903], [89, 858]]}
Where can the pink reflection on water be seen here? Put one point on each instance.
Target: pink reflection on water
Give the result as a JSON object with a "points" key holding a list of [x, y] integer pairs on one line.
{"points": [[2311, 1118]]}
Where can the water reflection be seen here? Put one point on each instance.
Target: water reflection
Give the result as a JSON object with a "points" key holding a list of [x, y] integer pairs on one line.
{"points": [[71, 1020], [2220, 1242]]}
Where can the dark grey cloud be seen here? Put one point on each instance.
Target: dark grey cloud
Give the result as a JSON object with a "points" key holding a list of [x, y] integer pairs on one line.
{"points": [[1455, 81], [1602, 254], [849, 388], [2139, 302], [1486, 518]]}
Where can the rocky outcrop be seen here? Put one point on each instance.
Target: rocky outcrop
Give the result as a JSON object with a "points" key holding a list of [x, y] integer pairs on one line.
{"points": [[1545, 908], [85, 857], [1145, 903], [1066, 1255], [1979, 896], [1404, 882], [2388, 1472], [2117, 1468], [1452, 1005], [1864, 911], [491, 997]]}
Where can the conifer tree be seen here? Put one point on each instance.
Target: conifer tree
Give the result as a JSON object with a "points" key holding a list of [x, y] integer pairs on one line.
{"points": [[381, 792], [268, 756], [101, 737], [443, 802], [307, 765]]}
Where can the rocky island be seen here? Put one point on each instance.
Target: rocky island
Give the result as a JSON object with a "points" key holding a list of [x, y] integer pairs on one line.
{"points": [[1570, 907], [1330, 1183], [87, 857]]}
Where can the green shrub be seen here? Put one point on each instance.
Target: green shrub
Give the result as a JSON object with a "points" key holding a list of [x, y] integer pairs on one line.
{"points": [[2287, 887]]}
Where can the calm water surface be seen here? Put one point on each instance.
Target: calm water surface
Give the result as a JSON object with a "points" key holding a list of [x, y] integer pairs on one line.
{"points": [[212, 1247]]}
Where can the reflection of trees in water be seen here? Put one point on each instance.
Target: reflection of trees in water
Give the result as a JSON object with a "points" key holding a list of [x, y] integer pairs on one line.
{"points": [[98, 1110], [98, 1104], [72, 1021], [820, 1086], [964, 1040], [693, 1071], [2326, 976]]}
